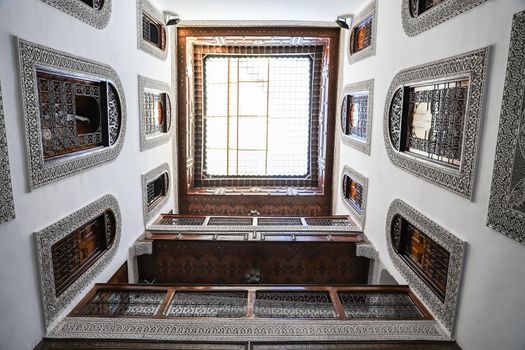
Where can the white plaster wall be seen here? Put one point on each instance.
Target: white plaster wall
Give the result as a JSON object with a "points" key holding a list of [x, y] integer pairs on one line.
{"points": [[21, 324], [491, 312]]}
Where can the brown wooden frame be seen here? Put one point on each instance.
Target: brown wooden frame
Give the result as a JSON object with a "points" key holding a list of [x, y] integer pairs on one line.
{"points": [[318, 201], [170, 291]]}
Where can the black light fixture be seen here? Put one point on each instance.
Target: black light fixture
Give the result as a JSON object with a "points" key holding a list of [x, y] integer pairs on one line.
{"points": [[342, 22], [172, 19]]}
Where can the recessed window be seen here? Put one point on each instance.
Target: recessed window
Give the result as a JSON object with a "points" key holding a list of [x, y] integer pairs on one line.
{"points": [[95, 4], [354, 115], [353, 192], [157, 110], [157, 189], [427, 120], [361, 36], [76, 114], [76, 252], [418, 7], [153, 32], [422, 254], [257, 118]]}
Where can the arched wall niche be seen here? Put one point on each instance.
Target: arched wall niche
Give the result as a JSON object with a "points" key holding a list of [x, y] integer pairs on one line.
{"points": [[59, 139]]}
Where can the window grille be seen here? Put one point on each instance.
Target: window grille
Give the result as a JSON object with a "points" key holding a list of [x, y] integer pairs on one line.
{"points": [[80, 249], [182, 221], [354, 115], [227, 221], [123, 303], [209, 304], [328, 222], [157, 111], [157, 189], [286, 304], [353, 192], [428, 120], [257, 115], [379, 306], [417, 7], [75, 114], [422, 254], [153, 31], [361, 37], [95, 4], [279, 221], [225, 155]]}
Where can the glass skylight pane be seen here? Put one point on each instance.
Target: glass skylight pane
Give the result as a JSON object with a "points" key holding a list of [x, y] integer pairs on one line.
{"points": [[268, 113]]}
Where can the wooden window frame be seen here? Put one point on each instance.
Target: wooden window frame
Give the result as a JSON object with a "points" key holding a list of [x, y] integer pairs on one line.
{"points": [[312, 198]]}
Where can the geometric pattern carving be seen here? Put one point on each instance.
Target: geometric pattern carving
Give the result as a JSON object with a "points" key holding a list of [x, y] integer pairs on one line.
{"points": [[98, 18], [472, 65], [445, 10], [144, 6], [287, 304], [443, 310], [42, 173], [148, 141], [150, 213], [208, 304], [53, 304], [370, 50], [122, 303], [359, 87], [7, 209], [226, 329], [357, 213], [379, 305], [507, 195]]}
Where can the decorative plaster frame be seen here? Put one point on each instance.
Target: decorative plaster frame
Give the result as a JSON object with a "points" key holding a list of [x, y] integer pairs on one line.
{"points": [[96, 18], [147, 142], [245, 329], [473, 65], [148, 177], [7, 205], [44, 240], [445, 311], [369, 10], [367, 250], [508, 187], [359, 218], [146, 6], [32, 55], [434, 16], [362, 86]]}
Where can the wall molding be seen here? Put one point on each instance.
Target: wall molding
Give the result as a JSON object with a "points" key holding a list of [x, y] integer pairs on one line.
{"points": [[444, 311], [148, 177], [147, 142], [96, 18], [473, 64], [44, 240], [146, 6], [362, 86], [7, 205], [30, 56], [507, 195], [358, 217], [245, 330], [441, 13], [369, 10]]}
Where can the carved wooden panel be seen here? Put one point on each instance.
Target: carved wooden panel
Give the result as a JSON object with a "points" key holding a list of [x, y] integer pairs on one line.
{"points": [[269, 262], [74, 113], [77, 251]]}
